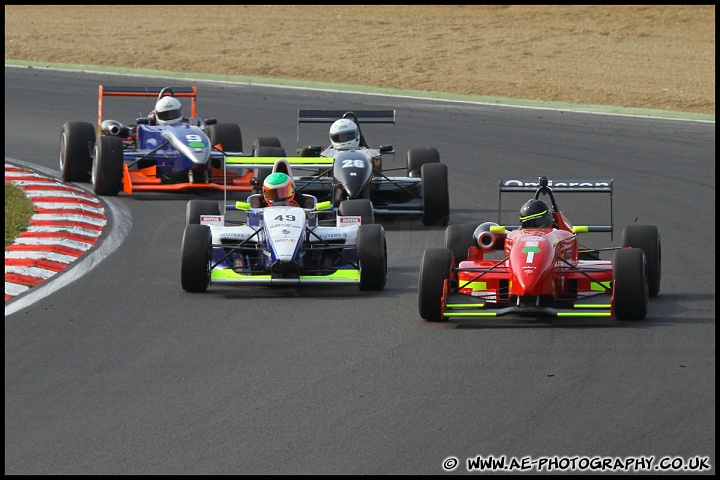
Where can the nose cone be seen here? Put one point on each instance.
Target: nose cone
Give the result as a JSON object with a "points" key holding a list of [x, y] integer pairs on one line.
{"points": [[531, 260], [352, 170], [532, 283]]}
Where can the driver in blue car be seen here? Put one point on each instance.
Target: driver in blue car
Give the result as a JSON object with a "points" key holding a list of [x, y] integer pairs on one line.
{"points": [[168, 110], [278, 190]]}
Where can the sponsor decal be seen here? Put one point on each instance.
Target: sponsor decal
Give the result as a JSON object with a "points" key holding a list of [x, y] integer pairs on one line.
{"points": [[348, 220], [212, 220], [333, 235], [557, 183], [531, 251], [232, 235]]}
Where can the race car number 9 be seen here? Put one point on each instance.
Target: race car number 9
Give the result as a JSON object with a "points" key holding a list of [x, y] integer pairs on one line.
{"points": [[193, 138]]}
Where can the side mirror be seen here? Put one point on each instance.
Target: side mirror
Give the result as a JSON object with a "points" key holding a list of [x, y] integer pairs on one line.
{"points": [[386, 149]]}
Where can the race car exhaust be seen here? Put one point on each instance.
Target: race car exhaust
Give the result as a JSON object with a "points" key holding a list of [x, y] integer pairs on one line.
{"points": [[489, 241], [115, 128]]}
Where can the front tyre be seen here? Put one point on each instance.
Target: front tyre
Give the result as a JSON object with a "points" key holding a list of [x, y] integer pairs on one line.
{"points": [[372, 256], [630, 288], [435, 194], [358, 207], [107, 165], [435, 270], [76, 146], [196, 256], [196, 208], [647, 238]]}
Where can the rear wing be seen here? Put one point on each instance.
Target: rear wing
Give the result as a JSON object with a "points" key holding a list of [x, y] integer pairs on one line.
{"points": [[303, 163], [113, 91], [564, 186], [329, 116]]}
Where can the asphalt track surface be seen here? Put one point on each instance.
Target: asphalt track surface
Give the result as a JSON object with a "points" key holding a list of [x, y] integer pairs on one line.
{"points": [[119, 371]]}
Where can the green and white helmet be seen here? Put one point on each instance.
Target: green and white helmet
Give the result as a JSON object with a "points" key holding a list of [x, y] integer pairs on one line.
{"points": [[278, 189]]}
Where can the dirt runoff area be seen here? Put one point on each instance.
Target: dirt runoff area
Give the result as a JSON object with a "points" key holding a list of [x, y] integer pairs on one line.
{"points": [[657, 56]]}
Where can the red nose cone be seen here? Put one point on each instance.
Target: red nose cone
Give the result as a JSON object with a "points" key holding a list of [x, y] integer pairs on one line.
{"points": [[531, 259]]}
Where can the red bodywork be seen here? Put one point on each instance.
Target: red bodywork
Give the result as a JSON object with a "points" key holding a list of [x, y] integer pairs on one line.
{"points": [[540, 266]]}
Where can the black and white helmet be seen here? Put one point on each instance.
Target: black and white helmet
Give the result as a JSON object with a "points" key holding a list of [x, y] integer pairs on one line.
{"points": [[168, 110], [344, 134]]}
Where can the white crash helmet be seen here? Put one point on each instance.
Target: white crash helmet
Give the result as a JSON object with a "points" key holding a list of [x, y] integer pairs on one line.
{"points": [[344, 134], [168, 110]]}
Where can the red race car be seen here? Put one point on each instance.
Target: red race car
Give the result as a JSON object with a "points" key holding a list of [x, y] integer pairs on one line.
{"points": [[539, 268]]}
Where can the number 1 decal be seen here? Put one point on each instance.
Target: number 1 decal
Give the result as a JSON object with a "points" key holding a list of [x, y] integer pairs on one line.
{"points": [[531, 251]]}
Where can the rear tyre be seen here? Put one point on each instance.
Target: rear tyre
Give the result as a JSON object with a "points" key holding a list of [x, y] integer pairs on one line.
{"points": [[358, 207], [436, 197], [107, 165], [265, 142], [419, 156], [196, 255], [76, 145], [435, 268], [228, 135], [630, 288], [266, 151], [196, 208], [647, 238], [458, 239], [371, 250]]}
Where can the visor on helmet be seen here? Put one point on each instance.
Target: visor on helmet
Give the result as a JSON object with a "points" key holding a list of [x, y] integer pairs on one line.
{"points": [[537, 220]]}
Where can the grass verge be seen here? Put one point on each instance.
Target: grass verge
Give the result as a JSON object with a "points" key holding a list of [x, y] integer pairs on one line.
{"points": [[18, 210]]}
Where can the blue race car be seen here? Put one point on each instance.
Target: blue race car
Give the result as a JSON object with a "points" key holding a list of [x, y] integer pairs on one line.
{"points": [[151, 155]]}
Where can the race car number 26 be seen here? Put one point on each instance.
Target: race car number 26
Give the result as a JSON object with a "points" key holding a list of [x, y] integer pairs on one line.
{"points": [[353, 163]]}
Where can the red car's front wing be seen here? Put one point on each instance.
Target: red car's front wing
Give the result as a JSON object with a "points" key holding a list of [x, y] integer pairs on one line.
{"points": [[482, 288]]}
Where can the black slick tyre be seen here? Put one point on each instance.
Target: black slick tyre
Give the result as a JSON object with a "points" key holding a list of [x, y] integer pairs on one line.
{"points": [[647, 238], [196, 255], [196, 208], [458, 239], [107, 167], [630, 289], [435, 269], [371, 251], [358, 207], [76, 145], [435, 194]]}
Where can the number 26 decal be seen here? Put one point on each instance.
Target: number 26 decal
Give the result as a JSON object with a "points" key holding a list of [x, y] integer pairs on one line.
{"points": [[357, 163]]}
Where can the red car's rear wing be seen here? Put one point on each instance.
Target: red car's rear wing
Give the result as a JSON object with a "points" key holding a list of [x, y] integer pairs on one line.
{"points": [[571, 185], [111, 91]]}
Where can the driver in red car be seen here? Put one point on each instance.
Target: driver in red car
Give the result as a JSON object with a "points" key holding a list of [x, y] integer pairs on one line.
{"points": [[536, 214]]}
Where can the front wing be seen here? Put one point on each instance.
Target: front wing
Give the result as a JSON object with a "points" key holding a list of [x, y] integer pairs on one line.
{"points": [[483, 292]]}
